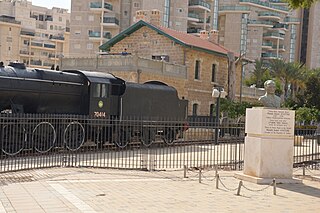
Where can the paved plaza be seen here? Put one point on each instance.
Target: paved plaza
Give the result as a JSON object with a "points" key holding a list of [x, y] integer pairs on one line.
{"points": [[109, 190]]}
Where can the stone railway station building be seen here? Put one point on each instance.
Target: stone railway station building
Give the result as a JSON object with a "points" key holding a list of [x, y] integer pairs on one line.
{"points": [[193, 65]]}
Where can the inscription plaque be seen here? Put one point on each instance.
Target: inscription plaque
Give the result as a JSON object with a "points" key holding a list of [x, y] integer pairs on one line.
{"points": [[278, 122]]}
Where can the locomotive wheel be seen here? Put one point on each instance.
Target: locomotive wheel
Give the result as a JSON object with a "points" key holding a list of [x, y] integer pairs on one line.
{"points": [[74, 136], [44, 137], [148, 136], [13, 137], [121, 137], [169, 136]]}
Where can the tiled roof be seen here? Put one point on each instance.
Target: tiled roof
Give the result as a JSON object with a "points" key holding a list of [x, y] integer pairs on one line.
{"points": [[194, 41], [182, 38]]}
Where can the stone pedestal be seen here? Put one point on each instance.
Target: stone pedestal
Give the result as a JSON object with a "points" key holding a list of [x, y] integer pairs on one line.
{"points": [[269, 146]]}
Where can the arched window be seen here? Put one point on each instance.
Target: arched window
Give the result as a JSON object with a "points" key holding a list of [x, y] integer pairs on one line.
{"points": [[212, 109], [197, 70], [195, 109]]}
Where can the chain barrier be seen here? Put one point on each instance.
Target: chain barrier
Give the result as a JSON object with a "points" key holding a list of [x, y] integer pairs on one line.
{"points": [[258, 190], [229, 189], [200, 175]]}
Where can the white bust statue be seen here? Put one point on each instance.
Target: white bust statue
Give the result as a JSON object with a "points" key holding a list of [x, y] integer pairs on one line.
{"points": [[270, 99]]}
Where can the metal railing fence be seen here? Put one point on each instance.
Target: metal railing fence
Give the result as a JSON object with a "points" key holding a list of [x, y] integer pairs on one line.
{"points": [[30, 141]]}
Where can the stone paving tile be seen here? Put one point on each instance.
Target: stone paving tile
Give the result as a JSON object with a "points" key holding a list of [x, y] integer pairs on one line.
{"points": [[101, 190]]}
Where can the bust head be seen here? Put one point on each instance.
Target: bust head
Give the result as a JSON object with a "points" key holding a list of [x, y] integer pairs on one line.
{"points": [[270, 87], [270, 99]]}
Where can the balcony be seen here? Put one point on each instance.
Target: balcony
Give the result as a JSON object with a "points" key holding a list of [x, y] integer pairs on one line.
{"points": [[27, 33], [265, 5], [36, 62], [193, 30], [199, 5], [281, 48], [9, 19], [52, 56], [51, 46], [97, 35], [280, 26], [48, 18], [278, 2], [270, 56], [94, 35], [234, 9], [24, 52], [291, 20], [257, 23], [273, 35], [193, 17], [42, 45], [269, 15], [97, 6], [267, 45], [110, 22], [201, 20], [56, 37]]}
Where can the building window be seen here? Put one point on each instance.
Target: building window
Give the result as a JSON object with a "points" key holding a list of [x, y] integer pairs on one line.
{"points": [[195, 109], [60, 18], [161, 57], [136, 4], [197, 70], [51, 27], [125, 13], [77, 32], [213, 73], [9, 28], [211, 109]]}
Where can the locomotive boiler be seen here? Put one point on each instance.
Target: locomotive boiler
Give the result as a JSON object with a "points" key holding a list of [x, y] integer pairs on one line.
{"points": [[109, 101]]}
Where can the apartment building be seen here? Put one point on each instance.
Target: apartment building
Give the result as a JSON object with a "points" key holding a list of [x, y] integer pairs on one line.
{"points": [[308, 38], [93, 22], [35, 35], [259, 29]]}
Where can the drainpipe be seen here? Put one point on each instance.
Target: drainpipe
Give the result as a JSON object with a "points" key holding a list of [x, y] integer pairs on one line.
{"points": [[138, 75]]}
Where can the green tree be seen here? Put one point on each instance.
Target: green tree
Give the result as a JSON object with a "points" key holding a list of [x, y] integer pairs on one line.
{"points": [[311, 96], [300, 3], [234, 109], [307, 115], [289, 75], [259, 75], [278, 69], [298, 79], [259, 72]]}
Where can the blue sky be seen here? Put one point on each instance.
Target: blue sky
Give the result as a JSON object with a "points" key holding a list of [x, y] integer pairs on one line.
{"points": [[66, 4]]}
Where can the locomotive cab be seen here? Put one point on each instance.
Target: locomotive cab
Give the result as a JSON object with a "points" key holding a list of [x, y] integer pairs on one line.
{"points": [[104, 93]]}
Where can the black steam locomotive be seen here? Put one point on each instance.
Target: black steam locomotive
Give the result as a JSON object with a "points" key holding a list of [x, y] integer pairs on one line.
{"points": [[100, 96]]}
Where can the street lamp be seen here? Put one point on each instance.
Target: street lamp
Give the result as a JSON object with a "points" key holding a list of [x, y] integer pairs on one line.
{"points": [[217, 92]]}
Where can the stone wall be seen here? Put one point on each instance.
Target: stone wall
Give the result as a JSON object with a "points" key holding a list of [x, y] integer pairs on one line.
{"points": [[146, 42], [200, 90], [133, 69]]}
